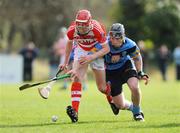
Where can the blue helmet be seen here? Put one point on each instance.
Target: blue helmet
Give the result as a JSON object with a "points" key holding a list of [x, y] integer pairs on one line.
{"points": [[117, 30]]}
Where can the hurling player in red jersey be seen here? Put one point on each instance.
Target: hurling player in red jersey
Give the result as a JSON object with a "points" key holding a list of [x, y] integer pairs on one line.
{"points": [[91, 45], [88, 34]]}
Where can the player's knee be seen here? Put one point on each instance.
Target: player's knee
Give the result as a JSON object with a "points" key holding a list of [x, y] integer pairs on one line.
{"points": [[101, 88], [134, 88], [77, 78]]}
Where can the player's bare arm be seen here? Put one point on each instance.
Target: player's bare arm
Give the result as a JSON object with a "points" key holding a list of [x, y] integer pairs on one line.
{"points": [[138, 64], [91, 57], [105, 49]]}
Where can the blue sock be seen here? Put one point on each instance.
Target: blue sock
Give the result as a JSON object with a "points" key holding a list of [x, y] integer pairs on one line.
{"points": [[136, 109]]}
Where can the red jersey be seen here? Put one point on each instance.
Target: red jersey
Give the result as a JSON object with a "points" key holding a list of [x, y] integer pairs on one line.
{"points": [[96, 35]]}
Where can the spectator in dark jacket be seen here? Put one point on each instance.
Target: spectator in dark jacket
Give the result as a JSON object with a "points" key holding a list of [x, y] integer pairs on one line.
{"points": [[29, 53], [163, 55]]}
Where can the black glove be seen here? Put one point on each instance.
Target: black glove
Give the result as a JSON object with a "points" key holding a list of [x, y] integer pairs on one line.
{"points": [[141, 74]]}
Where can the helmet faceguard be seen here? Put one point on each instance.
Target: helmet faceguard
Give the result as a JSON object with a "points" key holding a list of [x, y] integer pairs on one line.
{"points": [[116, 35], [117, 31], [83, 22]]}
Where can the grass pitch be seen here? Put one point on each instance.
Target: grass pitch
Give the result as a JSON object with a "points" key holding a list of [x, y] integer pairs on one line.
{"points": [[26, 112]]}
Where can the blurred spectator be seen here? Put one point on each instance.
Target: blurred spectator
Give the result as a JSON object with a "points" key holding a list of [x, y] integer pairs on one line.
{"points": [[60, 46], [29, 53], [53, 61], [163, 55], [176, 55], [144, 54]]}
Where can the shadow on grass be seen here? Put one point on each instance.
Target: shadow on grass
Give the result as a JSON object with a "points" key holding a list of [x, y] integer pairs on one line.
{"points": [[54, 124], [28, 125], [168, 125]]}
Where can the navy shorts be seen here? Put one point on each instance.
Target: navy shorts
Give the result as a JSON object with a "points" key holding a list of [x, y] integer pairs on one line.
{"points": [[120, 76]]}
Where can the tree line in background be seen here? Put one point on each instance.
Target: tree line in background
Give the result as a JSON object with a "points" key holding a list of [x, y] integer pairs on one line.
{"points": [[31, 20], [39, 20], [22, 21], [155, 20]]}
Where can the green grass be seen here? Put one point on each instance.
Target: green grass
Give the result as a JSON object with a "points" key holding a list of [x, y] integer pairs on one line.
{"points": [[27, 112]]}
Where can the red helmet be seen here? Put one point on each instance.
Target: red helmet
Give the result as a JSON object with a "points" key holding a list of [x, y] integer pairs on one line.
{"points": [[83, 20], [83, 16]]}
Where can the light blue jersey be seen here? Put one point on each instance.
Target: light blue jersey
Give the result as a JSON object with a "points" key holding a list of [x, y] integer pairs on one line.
{"points": [[128, 50]]}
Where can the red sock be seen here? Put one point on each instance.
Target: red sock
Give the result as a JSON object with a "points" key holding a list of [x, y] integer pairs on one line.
{"points": [[109, 98], [108, 92], [76, 95]]}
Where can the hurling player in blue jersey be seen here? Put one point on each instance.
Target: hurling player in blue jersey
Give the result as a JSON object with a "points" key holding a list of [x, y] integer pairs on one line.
{"points": [[124, 65]]}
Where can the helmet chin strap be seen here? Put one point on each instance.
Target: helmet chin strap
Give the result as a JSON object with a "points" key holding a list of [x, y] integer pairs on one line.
{"points": [[80, 34], [123, 39]]}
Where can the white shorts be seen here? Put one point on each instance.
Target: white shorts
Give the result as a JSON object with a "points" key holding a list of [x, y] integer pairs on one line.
{"points": [[97, 64]]}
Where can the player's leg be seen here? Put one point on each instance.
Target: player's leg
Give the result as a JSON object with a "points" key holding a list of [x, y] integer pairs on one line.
{"points": [[135, 91], [101, 83], [104, 88], [121, 102], [99, 72], [133, 84], [130, 77], [118, 100], [76, 90], [100, 80], [77, 82], [113, 79]]}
